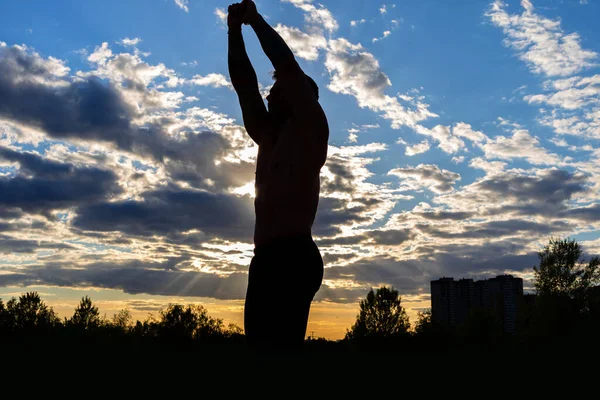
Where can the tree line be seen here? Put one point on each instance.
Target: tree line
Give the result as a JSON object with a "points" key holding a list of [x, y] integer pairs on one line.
{"points": [[567, 304]]}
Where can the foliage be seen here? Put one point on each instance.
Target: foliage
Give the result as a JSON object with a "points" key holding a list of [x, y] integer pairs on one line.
{"points": [[86, 316], [122, 320], [29, 312], [381, 316], [564, 283], [424, 324], [563, 272]]}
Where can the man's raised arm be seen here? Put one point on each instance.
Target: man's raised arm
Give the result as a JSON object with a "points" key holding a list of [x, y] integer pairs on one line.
{"points": [[289, 74], [243, 77]]}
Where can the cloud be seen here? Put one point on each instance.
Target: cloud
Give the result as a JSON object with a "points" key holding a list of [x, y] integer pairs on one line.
{"points": [[418, 148], [221, 15], [133, 278], [303, 45], [384, 35], [41, 185], [539, 192], [449, 143], [129, 42], [540, 41], [356, 72], [490, 167], [464, 130], [357, 22], [520, 145], [314, 15], [214, 80], [572, 93], [427, 176], [183, 4], [36, 93], [10, 245], [167, 211]]}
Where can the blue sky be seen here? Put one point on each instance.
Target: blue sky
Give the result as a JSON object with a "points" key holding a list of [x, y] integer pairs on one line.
{"points": [[463, 135]]}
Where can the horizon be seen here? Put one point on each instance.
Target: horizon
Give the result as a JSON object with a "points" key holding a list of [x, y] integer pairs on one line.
{"points": [[462, 137]]}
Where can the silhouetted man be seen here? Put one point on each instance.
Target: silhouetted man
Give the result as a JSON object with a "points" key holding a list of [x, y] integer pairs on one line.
{"points": [[287, 269]]}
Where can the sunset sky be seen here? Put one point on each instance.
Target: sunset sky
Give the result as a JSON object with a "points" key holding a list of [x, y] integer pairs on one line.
{"points": [[463, 134]]}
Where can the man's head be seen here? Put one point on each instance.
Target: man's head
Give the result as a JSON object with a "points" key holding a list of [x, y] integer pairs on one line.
{"points": [[278, 102]]}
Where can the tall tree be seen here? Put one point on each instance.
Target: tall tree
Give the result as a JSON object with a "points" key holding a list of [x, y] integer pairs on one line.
{"points": [[564, 273], [86, 315], [30, 312], [381, 316]]}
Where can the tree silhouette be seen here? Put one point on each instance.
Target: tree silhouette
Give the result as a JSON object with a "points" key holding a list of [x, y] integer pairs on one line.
{"points": [[563, 283], [381, 316], [29, 313], [191, 322], [3, 317], [563, 273], [86, 316], [122, 320], [424, 324]]}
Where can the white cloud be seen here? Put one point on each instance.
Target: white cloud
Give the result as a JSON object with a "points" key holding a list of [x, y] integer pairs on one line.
{"points": [[304, 45], [383, 9], [458, 159], [448, 142], [490, 167], [100, 54], [221, 15], [540, 41], [520, 145], [183, 4], [357, 22], [316, 15], [213, 79], [356, 72], [385, 35], [130, 42], [2, 44], [464, 130], [417, 148], [427, 176], [139, 81], [572, 94]]}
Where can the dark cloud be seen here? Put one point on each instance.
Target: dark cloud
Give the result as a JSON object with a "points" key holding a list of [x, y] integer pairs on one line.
{"points": [[170, 211], [42, 185], [444, 215], [413, 276], [497, 229], [132, 278], [333, 212], [428, 176], [33, 93], [390, 237], [343, 176], [375, 237], [552, 186], [590, 214], [9, 245]]}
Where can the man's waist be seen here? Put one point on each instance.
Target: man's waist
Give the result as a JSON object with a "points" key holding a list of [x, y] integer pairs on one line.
{"points": [[283, 244]]}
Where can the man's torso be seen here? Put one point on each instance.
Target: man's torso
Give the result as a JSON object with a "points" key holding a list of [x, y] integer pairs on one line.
{"points": [[287, 180]]}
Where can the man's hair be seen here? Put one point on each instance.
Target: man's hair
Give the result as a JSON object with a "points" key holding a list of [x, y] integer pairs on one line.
{"points": [[313, 84]]}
